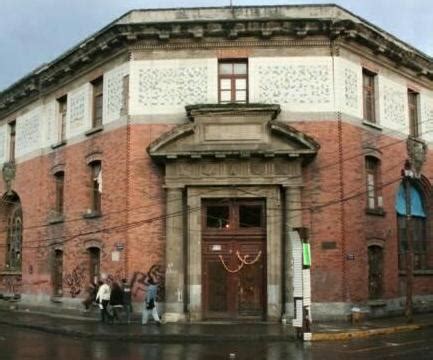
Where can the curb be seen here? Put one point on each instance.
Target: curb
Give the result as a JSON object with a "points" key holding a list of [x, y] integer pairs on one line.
{"points": [[356, 334], [152, 338]]}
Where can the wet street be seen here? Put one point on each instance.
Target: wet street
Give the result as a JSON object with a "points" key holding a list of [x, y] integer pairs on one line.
{"points": [[23, 344]]}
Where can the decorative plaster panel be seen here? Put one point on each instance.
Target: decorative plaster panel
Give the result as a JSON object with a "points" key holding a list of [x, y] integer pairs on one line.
{"points": [[393, 105], [113, 92], [51, 124], [29, 132], [348, 87], [78, 111], [166, 86], [426, 105], [3, 143], [297, 84]]}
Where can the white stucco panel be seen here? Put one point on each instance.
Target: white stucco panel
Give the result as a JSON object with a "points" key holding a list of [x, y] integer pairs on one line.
{"points": [[166, 86], [3, 143], [296, 83], [393, 106], [29, 132], [348, 87], [426, 116], [50, 124], [78, 113], [114, 92]]}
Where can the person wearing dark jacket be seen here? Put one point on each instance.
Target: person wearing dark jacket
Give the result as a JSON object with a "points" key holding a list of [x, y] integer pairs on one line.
{"points": [[116, 300], [127, 299]]}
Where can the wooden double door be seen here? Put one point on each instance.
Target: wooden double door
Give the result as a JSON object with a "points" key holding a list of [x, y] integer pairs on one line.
{"points": [[234, 259]]}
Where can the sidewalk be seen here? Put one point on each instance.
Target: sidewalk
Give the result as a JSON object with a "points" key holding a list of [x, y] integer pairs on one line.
{"points": [[135, 332], [90, 327], [332, 331]]}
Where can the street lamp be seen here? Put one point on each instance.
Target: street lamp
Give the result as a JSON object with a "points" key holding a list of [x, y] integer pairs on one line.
{"points": [[408, 174]]}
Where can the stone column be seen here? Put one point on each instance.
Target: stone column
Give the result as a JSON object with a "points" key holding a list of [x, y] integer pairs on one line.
{"points": [[293, 219], [174, 257]]}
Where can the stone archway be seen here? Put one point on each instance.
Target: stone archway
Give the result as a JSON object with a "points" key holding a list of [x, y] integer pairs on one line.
{"points": [[237, 152]]}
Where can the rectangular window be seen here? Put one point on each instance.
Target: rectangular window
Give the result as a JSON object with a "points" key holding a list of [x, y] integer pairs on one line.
{"points": [[418, 225], [12, 140], [61, 117], [233, 81], [374, 201], [96, 186], [217, 217], [97, 102], [412, 98], [368, 95], [60, 183]]}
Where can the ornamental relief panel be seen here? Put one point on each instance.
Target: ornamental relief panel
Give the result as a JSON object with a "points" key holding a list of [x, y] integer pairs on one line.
{"points": [[350, 89], [28, 132], [114, 90], [51, 132], [294, 84], [172, 86], [77, 112], [427, 119], [3, 130], [394, 110]]}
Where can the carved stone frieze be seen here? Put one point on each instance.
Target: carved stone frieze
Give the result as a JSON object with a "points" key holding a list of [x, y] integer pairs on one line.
{"points": [[210, 171]]}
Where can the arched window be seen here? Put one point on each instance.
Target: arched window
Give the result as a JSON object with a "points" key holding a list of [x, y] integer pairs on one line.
{"points": [[14, 237], [418, 225]]}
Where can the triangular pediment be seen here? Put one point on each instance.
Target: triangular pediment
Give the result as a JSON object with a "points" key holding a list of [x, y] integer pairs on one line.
{"points": [[233, 131]]}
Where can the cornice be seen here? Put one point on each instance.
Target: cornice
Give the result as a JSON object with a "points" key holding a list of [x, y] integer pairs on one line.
{"points": [[196, 34]]}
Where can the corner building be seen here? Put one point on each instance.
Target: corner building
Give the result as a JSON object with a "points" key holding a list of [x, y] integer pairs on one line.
{"points": [[204, 145]]}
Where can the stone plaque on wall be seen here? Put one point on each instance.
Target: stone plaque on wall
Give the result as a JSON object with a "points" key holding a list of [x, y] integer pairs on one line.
{"points": [[233, 132]]}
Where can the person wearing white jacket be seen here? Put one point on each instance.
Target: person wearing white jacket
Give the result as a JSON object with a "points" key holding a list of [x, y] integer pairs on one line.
{"points": [[103, 299]]}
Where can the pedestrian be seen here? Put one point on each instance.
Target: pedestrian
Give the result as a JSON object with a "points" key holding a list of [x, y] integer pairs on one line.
{"points": [[116, 300], [127, 300], [92, 290], [150, 304], [103, 299]]}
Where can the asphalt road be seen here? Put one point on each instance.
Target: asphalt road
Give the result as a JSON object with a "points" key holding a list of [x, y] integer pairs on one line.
{"points": [[23, 344]]}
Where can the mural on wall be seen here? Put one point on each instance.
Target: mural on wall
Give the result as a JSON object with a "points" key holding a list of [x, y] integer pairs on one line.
{"points": [[172, 86], [75, 280], [290, 83]]}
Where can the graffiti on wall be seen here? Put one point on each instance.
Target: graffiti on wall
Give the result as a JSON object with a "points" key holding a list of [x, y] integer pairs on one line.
{"points": [[12, 284], [139, 281], [74, 281]]}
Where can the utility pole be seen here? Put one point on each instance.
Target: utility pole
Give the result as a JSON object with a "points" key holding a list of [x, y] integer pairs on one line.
{"points": [[416, 151], [407, 176]]}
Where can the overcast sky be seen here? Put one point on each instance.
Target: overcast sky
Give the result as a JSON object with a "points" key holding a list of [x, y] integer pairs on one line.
{"points": [[33, 32]]}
